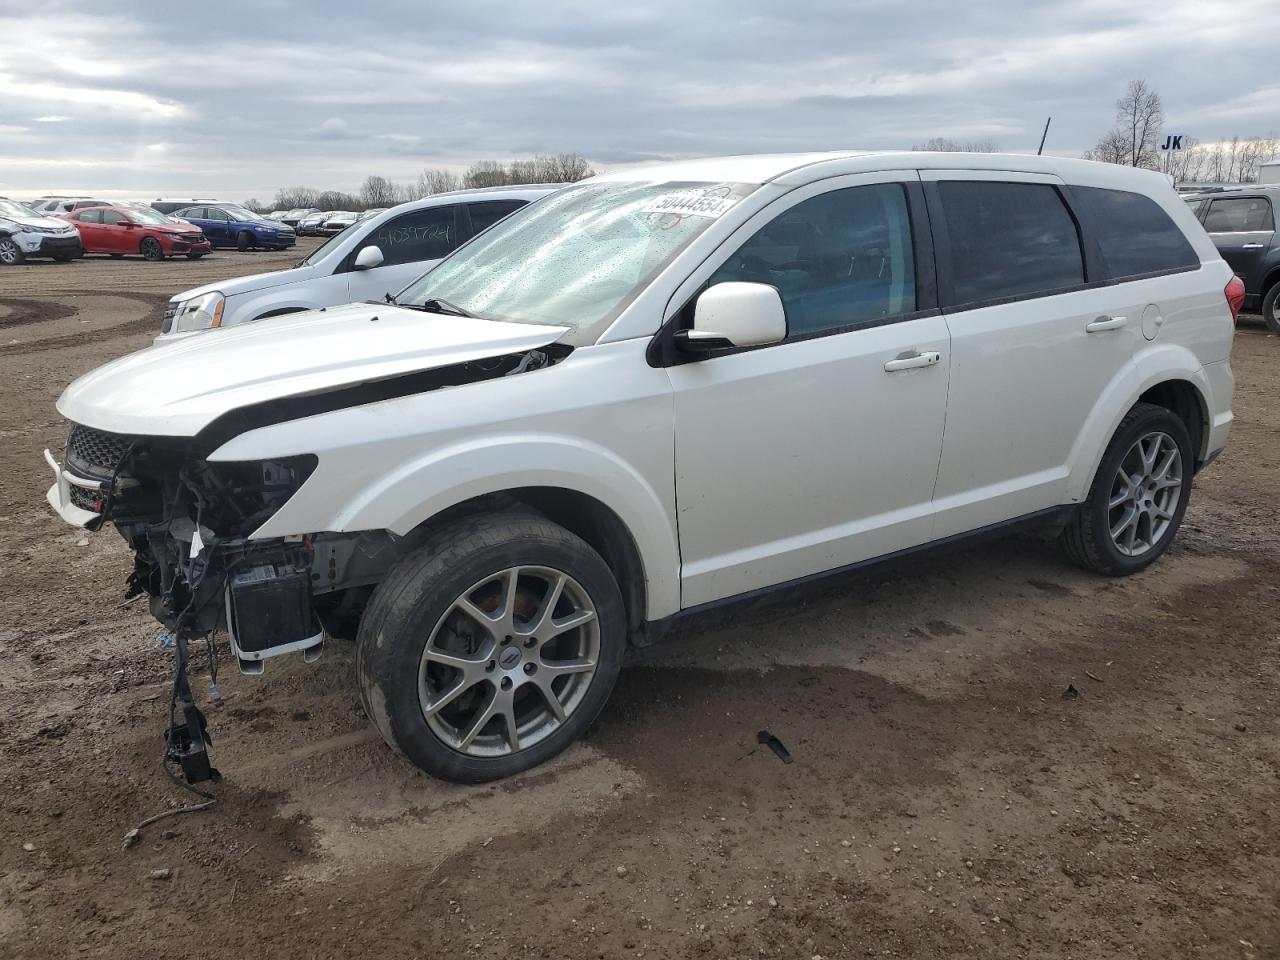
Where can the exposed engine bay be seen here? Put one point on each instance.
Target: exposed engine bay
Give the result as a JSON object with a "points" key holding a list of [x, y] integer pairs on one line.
{"points": [[190, 522]]}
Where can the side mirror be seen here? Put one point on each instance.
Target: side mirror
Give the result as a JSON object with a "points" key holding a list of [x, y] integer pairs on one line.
{"points": [[368, 258], [735, 314], [128, 223]]}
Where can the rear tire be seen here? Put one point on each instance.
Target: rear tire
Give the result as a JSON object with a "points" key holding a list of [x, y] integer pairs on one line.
{"points": [[1271, 308], [10, 253], [1134, 509], [244, 241], [469, 699], [151, 250]]}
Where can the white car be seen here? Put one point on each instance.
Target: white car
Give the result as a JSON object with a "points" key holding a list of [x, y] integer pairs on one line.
{"points": [[374, 260], [26, 233], [657, 391]]}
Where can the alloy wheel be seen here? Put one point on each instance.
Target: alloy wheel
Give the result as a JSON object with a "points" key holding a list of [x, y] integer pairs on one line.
{"points": [[1145, 493], [509, 661], [8, 252], [151, 249]]}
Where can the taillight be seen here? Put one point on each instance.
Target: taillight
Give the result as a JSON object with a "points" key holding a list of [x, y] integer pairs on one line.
{"points": [[1234, 293]]}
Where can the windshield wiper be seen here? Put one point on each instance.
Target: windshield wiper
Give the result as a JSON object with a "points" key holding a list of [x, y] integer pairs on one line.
{"points": [[438, 305]]}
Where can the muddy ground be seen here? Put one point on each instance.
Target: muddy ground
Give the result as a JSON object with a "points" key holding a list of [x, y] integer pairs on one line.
{"points": [[946, 800]]}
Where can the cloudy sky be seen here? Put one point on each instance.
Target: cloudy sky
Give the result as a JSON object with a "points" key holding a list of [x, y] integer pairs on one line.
{"points": [[235, 98]]}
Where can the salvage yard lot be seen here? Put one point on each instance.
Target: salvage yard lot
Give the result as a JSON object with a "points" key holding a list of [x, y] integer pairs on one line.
{"points": [[946, 800]]}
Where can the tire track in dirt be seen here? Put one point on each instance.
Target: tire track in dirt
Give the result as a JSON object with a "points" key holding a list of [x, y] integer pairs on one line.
{"points": [[150, 321], [23, 312]]}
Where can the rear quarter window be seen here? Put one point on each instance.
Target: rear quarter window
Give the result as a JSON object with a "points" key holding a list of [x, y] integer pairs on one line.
{"points": [[1132, 235]]}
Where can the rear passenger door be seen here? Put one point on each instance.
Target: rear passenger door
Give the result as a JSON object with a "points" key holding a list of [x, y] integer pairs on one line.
{"points": [[1242, 228], [89, 223], [1032, 346], [411, 244]]}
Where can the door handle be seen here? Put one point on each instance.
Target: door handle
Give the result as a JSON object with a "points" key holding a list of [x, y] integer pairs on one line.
{"points": [[1250, 246], [1105, 323], [926, 359]]}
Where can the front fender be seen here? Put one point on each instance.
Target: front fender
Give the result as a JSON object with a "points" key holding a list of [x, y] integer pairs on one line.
{"points": [[1154, 365], [424, 486]]}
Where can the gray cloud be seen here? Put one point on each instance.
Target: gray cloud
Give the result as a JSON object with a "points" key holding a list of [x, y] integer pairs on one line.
{"points": [[244, 97]]}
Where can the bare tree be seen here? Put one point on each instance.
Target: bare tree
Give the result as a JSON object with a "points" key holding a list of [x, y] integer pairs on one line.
{"points": [[378, 192], [563, 168], [485, 173], [1224, 161], [289, 198], [1112, 148], [947, 145], [1134, 139], [435, 181]]}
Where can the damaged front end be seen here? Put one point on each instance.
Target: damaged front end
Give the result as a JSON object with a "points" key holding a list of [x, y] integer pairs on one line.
{"points": [[189, 523]]}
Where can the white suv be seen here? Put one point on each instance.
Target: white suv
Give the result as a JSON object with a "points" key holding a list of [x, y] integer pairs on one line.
{"points": [[656, 391], [377, 258]]}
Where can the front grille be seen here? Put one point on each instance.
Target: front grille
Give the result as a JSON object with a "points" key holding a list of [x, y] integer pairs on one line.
{"points": [[86, 499], [96, 452]]}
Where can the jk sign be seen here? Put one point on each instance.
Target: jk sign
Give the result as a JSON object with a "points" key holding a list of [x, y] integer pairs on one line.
{"points": [[1172, 143]]}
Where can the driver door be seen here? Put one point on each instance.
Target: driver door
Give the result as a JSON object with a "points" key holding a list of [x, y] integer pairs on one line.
{"points": [[820, 451]]}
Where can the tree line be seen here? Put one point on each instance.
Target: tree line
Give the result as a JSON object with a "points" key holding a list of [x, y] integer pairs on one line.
{"points": [[377, 191]]}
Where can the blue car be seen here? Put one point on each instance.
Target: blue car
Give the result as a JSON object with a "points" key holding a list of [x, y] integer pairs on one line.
{"points": [[230, 225]]}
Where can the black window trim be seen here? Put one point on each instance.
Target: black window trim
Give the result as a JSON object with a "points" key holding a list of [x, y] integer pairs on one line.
{"points": [[465, 219], [662, 351], [348, 262]]}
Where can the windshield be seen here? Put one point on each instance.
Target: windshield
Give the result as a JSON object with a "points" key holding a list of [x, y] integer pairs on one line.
{"points": [[138, 215], [11, 208], [324, 250], [578, 257]]}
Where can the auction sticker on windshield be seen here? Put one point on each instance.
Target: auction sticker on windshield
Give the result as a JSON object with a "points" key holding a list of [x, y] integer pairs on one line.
{"points": [[710, 202]]}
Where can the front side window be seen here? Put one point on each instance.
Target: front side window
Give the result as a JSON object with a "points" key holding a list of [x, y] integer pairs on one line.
{"points": [[1239, 215], [213, 213], [838, 260], [192, 213], [1008, 240], [577, 258], [111, 218], [1133, 236], [413, 237]]}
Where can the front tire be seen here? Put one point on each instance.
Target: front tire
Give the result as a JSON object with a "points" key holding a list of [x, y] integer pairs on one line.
{"points": [[1138, 496], [244, 240], [10, 253], [492, 647], [151, 250], [1271, 308], [195, 254]]}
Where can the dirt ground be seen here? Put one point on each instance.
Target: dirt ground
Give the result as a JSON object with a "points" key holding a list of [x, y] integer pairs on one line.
{"points": [[946, 800]]}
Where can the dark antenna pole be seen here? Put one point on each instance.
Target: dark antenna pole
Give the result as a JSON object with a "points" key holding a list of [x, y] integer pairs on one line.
{"points": [[1043, 135]]}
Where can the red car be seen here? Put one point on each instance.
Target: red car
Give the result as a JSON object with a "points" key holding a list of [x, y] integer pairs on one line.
{"points": [[121, 230]]}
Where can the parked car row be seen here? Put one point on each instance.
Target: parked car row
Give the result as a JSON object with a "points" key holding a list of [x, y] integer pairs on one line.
{"points": [[369, 259], [643, 396]]}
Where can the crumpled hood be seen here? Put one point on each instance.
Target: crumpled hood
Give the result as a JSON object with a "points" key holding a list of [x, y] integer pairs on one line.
{"points": [[176, 389]]}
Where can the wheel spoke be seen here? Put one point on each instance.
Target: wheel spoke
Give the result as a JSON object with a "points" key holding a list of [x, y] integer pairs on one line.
{"points": [[464, 684], [483, 716], [1119, 498], [543, 684], [567, 623], [543, 618], [1130, 517], [508, 710], [1162, 470], [468, 665], [560, 668]]}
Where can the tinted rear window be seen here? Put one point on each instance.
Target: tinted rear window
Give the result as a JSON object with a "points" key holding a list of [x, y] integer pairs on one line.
{"points": [[1008, 240], [1132, 235]]}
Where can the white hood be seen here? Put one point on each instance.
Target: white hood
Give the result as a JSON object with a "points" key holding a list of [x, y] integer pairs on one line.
{"points": [[250, 284], [176, 389], [35, 220]]}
